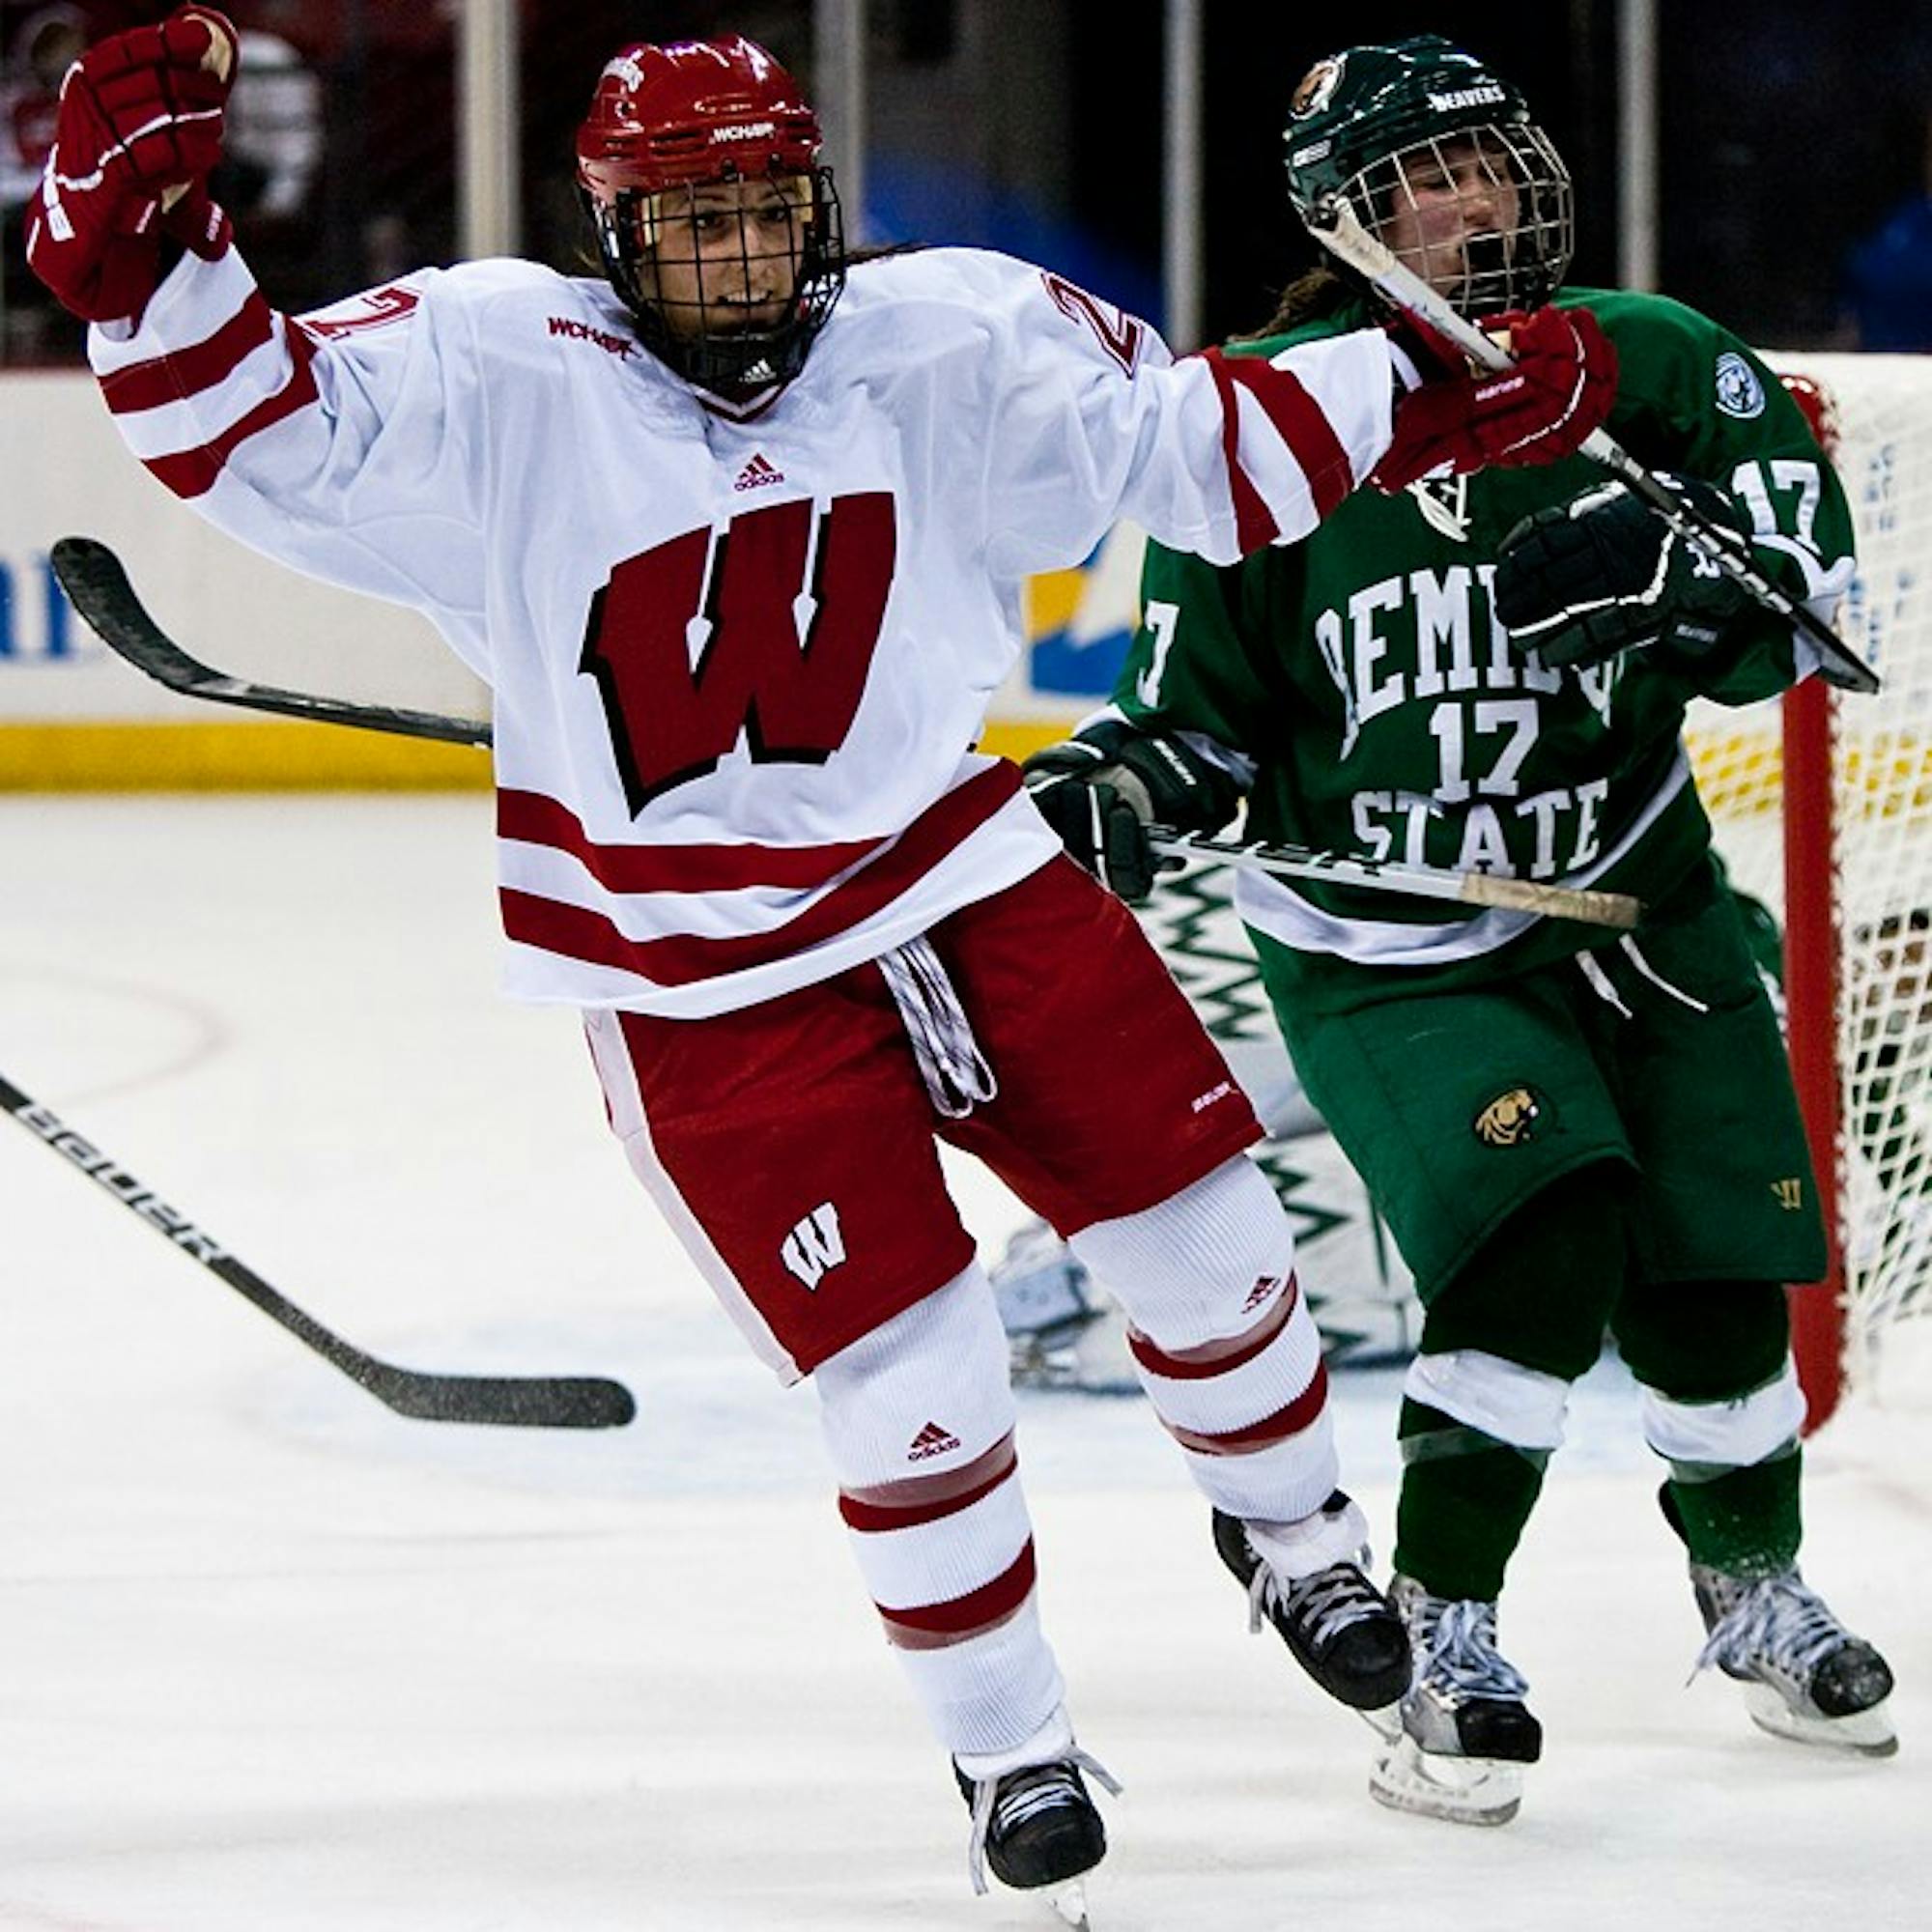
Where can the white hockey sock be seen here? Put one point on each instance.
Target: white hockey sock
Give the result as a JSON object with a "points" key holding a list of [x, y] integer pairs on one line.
{"points": [[919, 1421], [1307, 1548], [1223, 1341], [1252, 1422]]}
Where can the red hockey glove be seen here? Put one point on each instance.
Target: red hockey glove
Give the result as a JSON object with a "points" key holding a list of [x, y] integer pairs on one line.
{"points": [[138, 131], [1560, 389], [1431, 352]]}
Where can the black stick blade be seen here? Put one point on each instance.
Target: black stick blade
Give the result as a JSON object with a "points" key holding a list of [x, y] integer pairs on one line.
{"points": [[527, 1401], [96, 585]]}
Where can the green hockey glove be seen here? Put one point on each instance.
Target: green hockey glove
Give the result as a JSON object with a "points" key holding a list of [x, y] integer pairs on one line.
{"points": [[1586, 580], [1101, 790]]}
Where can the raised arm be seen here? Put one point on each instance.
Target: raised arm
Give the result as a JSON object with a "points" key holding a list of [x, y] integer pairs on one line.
{"points": [[1220, 456], [124, 189], [342, 443]]}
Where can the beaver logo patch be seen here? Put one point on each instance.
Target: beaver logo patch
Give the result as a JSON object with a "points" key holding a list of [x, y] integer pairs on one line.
{"points": [[1509, 1119], [1315, 89]]}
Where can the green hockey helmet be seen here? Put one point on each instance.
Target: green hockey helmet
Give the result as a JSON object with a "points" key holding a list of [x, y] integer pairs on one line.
{"points": [[1441, 160]]}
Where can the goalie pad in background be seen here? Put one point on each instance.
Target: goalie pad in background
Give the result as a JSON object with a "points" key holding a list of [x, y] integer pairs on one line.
{"points": [[1065, 1332]]}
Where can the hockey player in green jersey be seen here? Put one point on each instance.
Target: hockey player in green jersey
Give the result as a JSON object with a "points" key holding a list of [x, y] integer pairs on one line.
{"points": [[1569, 1130]]}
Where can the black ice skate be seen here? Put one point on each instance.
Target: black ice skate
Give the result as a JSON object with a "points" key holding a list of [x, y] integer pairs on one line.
{"points": [[1456, 1745], [1339, 1626], [1033, 1821], [1805, 1676]]}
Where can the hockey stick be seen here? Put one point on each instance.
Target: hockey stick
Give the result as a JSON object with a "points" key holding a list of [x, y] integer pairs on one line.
{"points": [[94, 577], [97, 584], [1333, 224], [530, 1401], [1483, 888]]}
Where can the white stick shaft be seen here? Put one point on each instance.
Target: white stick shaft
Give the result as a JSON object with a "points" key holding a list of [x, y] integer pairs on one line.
{"points": [[1428, 882], [1348, 241]]}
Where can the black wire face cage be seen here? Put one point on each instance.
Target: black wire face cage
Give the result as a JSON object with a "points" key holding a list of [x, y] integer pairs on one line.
{"points": [[1518, 259], [640, 234]]}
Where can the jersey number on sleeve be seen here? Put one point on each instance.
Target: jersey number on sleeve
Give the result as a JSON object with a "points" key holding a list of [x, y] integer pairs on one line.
{"points": [[1118, 333], [766, 630]]}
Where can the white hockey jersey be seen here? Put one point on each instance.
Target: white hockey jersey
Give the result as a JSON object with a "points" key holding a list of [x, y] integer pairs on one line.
{"points": [[737, 666]]}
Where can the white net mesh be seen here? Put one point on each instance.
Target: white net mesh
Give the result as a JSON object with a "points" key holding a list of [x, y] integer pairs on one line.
{"points": [[1883, 797]]}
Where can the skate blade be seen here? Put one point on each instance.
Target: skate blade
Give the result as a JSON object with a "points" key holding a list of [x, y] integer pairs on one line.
{"points": [[1461, 1790], [1865, 1733], [1069, 1905], [1384, 1720]]}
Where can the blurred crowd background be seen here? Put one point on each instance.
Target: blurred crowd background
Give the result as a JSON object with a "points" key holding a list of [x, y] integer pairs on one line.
{"points": [[1795, 142]]}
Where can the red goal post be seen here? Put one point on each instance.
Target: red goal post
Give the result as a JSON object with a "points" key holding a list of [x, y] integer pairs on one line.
{"points": [[1822, 805]]}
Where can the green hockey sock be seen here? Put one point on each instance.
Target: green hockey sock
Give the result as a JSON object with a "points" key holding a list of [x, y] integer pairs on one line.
{"points": [[1466, 1498], [1744, 1521]]}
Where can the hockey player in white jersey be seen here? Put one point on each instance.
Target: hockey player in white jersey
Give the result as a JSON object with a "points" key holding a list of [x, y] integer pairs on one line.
{"points": [[736, 535]]}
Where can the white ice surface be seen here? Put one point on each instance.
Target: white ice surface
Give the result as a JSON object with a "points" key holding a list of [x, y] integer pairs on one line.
{"points": [[275, 1659]]}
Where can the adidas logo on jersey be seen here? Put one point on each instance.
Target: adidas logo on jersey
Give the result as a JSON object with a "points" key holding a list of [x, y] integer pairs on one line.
{"points": [[931, 1440], [759, 475]]}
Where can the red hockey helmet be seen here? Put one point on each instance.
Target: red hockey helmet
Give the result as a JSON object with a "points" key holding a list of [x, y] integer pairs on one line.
{"points": [[665, 119]]}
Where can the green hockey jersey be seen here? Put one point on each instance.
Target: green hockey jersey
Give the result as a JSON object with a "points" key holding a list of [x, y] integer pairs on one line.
{"points": [[1371, 704]]}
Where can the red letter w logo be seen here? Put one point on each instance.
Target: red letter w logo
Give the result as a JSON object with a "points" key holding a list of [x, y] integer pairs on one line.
{"points": [[774, 645]]}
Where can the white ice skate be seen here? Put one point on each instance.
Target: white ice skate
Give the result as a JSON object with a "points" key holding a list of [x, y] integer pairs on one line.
{"points": [[1805, 1676], [1455, 1747]]}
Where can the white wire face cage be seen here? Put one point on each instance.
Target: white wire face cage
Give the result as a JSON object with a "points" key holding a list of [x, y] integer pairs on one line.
{"points": [[1517, 258]]}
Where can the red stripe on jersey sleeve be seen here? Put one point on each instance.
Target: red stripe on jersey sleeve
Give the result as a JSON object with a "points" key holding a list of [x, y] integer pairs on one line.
{"points": [[1303, 426], [1254, 522], [191, 473], [533, 819], [683, 959], [189, 372]]}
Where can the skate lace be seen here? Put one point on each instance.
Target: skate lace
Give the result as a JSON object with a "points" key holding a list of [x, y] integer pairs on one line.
{"points": [[1322, 1604], [995, 1810], [1459, 1651], [1778, 1621]]}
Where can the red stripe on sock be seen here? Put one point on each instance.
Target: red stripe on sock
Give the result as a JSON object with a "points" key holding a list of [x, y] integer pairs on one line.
{"points": [[936, 1626], [1253, 1436], [918, 1499], [1216, 1358]]}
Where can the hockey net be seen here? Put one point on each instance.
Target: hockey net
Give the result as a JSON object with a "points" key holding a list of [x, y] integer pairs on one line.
{"points": [[1838, 789]]}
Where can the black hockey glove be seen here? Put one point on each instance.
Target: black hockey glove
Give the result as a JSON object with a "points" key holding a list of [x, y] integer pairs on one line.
{"points": [[1101, 790], [1586, 580]]}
